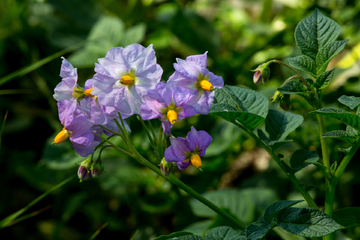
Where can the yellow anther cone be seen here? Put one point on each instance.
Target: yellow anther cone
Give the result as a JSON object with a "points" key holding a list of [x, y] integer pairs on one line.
{"points": [[61, 136], [172, 116], [206, 85], [126, 80], [87, 92], [196, 161]]}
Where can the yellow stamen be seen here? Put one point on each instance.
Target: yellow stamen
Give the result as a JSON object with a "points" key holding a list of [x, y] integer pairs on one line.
{"points": [[196, 161], [87, 92], [126, 80], [172, 116], [62, 136], [206, 85]]}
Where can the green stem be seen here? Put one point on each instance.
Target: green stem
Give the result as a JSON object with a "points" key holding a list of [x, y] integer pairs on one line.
{"points": [[152, 130], [291, 176], [146, 131], [187, 189], [324, 147], [296, 72], [113, 145]]}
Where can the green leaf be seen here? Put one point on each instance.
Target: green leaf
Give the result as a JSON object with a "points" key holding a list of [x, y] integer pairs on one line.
{"points": [[302, 158], [240, 105], [223, 233], [280, 124], [188, 237], [134, 34], [323, 80], [345, 150], [327, 53], [341, 115], [341, 135], [307, 222], [274, 144], [273, 210], [257, 230], [241, 203], [293, 87], [315, 32], [173, 235], [350, 101], [304, 63], [347, 217]]}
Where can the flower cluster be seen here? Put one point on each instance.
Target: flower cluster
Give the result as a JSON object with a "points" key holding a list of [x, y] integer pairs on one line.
{"points": [[127, 82]]}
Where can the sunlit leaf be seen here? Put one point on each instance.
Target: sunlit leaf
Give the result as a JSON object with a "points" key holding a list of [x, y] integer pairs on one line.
{"points": [[304, 63], [327, 53], [350, 101], [323, 80]]}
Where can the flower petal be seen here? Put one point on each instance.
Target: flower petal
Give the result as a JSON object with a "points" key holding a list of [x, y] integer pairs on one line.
{"points": [[177, 151], [198, 140]]}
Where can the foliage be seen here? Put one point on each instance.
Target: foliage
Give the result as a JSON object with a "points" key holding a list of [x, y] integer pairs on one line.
{"points": [[130, 197]]}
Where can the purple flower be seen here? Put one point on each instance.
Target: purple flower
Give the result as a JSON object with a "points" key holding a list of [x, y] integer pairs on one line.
{"points": [[68, 89], [124, 76], [77, 127], [167, 103], [193, 74], [185, 151]]}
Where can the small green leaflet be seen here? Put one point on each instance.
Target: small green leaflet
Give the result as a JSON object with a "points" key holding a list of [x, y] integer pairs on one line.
{"points": [[323, 80], [341, 115], [327, 53], [240, 105], [341, 135], [294, 86], [257, 230], [302, 158], [350, 101], [304, 63], [273, 210]]}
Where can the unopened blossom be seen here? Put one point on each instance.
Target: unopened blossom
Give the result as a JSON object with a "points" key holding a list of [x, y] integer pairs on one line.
{"points": [[84, 170], [124, 76], [188, 151], [262, 73], [68, 88], [193, 74], [168, 103]]}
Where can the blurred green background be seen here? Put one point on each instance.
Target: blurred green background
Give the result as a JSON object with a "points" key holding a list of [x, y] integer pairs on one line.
{"points": [[238, 175]]}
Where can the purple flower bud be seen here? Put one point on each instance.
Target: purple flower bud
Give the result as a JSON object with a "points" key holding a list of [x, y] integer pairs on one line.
{"points": [[165, 167], [83, 173], [262, 73], [96, 172], [257, 77]]}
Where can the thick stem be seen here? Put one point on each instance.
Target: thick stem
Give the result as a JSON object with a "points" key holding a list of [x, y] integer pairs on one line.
{"points": [[324, 147], [291, 176]]}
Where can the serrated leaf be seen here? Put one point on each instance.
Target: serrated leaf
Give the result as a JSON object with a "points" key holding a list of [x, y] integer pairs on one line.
{"points": [[327, 53], [352, 131], [173, 235], [273, 210], [323, 80], [347, 217], [257, 230], [302, 158], [341, 135], [280, 124], [314, 32], [304, 63], [307, 222], [223, 233], [341, 115], [240, 105], [293, 87], [350, 101]]}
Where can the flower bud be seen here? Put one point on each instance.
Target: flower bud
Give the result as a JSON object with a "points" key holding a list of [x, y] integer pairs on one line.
{"points": [[262, 73], [165, 167], [96, 172], [83, 173]]}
